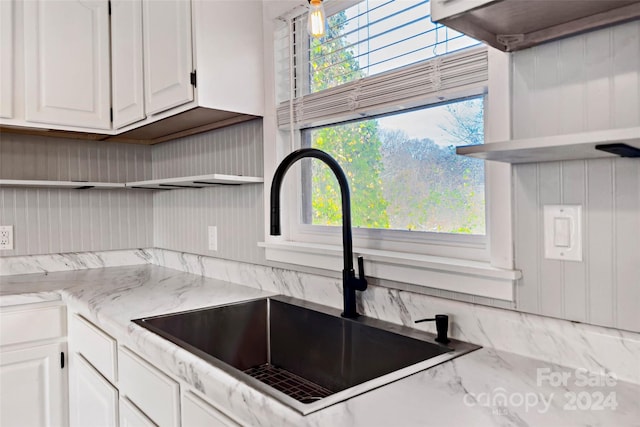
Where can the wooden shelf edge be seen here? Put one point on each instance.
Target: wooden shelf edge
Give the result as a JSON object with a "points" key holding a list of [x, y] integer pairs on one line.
{"points": [[78, 185], [196, 181]]}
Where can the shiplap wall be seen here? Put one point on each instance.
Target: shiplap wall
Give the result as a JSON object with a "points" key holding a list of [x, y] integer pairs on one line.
{"points": [[65, 220], [588, 82], [181, 217]]}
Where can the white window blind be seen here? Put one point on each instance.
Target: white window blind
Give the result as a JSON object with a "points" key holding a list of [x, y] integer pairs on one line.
{"points": [[377, 57]]}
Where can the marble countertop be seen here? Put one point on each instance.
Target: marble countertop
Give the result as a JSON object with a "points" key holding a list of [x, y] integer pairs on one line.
{"points": [[486, 387]]}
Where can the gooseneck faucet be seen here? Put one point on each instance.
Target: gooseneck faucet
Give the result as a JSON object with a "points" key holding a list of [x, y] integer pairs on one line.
{"points": [[350, 283]]}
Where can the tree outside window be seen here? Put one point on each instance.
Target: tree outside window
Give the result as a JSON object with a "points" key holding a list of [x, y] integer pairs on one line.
{"points": [[402, 169]]}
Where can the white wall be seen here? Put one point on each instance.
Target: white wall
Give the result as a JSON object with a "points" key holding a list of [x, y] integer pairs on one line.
{"points": [[181, 217], [587, 82], [65, 220]]}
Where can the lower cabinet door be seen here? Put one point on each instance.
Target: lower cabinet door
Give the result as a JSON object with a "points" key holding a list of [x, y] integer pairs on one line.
{"points": [[33, 387], [197, 412], [94, 401], [130, 416]]}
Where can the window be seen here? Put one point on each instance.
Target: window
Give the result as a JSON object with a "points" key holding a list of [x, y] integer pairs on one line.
{"points": [[392, 85], [388, 94], [403, 171]]}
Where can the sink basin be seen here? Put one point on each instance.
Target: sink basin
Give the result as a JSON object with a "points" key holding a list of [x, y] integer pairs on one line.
{"points": [[302, 354]]}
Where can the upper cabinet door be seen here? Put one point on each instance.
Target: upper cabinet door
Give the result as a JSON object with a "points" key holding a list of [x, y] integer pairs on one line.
{"points": [[67, 70], [6, 58], [126, 58], [167, 54]]}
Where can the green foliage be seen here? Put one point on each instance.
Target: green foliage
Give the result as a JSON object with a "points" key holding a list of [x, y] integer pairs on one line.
{"points": [[395, 181], [429, 188], [331, 61], [356, 146]]}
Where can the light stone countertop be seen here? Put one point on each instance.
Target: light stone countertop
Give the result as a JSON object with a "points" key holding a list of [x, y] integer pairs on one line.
{"points": [[486, 387]]}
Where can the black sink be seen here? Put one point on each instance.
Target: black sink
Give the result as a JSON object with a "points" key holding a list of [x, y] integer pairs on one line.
{"points": [[303, 354]]}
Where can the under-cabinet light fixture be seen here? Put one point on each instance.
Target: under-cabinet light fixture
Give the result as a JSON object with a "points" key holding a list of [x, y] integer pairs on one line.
{"points": [[317, 23]]}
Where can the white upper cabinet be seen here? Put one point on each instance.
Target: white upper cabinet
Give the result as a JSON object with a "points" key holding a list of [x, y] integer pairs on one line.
{"points": [[167, 54], [66, 63], [6, 58], [229, 55], [126, 62]]}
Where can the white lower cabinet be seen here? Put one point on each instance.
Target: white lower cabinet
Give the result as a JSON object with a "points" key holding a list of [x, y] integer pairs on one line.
{"points": [[33, 376], [131, 416], [94, 400], [157, 395], [32, 387], [113, 386], [93, 396], [197, 412]]}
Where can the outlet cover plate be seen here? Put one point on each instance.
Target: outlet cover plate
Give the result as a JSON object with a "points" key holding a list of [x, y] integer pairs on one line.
{"points": [[213, 237], [6, 237]]}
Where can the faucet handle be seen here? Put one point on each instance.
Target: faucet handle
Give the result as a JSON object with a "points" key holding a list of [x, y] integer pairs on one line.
{"points": [[361, 282], [360, 267]]}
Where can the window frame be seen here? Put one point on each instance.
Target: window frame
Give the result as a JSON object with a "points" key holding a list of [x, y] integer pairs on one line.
{"points": [[455, 245], [438, 261]]}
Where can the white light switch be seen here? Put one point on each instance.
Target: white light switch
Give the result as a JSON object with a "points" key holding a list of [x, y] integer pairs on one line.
{"points": [[563, 232]]}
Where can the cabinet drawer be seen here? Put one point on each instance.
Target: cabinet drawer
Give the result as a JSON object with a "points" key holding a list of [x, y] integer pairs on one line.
{"points": [[96, 346], [157, 395], [20, 325], [197, 412]]}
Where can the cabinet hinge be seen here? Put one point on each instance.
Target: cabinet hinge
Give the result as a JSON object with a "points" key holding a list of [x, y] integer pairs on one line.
{"points": [[61, 360], [111, 115], [193, 78]]}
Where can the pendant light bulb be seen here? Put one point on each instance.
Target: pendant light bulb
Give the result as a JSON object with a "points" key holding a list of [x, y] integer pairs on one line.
{"points": [[316, 24]]}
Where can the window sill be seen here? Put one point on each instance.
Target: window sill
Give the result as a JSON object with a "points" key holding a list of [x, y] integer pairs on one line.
{"points": [[417, 271]]}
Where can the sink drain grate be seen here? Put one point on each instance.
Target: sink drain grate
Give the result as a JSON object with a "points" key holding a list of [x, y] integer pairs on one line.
{"points": [[290, 384]]}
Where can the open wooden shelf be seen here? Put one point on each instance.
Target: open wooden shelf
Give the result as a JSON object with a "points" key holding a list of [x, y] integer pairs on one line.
{"points": [[578, 146], [78, 185], [197, 181]]}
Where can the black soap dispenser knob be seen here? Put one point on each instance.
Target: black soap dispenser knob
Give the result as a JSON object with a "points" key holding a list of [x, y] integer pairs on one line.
{"points": [[442, 327]]}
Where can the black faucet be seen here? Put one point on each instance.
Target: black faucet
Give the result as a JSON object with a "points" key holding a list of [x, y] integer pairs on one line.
{"points": [[350, 283]]}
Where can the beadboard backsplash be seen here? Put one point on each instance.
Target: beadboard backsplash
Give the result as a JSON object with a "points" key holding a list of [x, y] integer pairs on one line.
{"points": [[49, 221], [59, 159], [181, 217], [584, 83], [579, 84]]}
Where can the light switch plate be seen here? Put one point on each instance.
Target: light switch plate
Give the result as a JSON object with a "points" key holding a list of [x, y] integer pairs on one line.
{"points": [[563, 232]]}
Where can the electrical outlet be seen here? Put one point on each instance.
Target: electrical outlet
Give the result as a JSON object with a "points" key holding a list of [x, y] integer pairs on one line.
{"points": [[213, 238], [6, 237]]}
